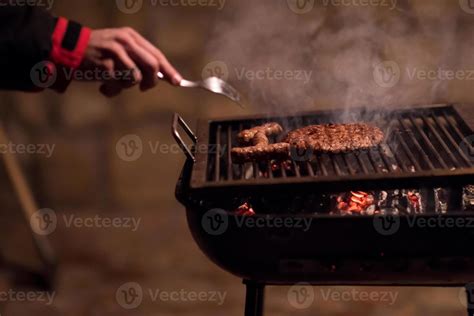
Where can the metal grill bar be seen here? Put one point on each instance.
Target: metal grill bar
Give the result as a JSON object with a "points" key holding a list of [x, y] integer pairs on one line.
{"points": [[441, 141], [418, 144], [408, 152], [398, 159], [349, 167], [451, 140], [453, 126], [310, 169], [229, 157], [217, 157], [428, 142], [361, 163]]}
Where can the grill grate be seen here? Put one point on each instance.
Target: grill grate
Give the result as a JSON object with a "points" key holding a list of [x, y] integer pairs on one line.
{"points": [[422, 146]]}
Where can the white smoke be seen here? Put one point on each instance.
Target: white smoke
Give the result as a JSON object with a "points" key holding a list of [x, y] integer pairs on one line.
{"points": [[341, 47]]}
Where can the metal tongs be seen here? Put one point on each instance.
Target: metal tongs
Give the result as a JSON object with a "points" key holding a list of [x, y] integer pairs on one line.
{"points": [[212, 84]]}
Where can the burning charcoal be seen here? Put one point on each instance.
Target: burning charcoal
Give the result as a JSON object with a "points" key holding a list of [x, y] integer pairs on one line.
{"points": [[244, 210], [413, 199], [468, 198], [355, 203], [388, 202], [441, 200]]}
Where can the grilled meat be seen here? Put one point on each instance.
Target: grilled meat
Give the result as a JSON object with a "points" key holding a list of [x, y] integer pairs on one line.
{"points": [[329, 138], [269, 129], [335, 138], [278, 151], [261, 148]]}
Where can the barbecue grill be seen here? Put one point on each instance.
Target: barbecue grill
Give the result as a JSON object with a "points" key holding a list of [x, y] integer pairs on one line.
{"points": [[426, 148]]}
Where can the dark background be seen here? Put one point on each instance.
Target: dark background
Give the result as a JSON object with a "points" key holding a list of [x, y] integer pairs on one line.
{"points": [[86, 176]]}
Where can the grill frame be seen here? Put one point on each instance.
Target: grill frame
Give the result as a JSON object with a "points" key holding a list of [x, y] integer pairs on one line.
{"points": [[336, 250], [200, 186]]}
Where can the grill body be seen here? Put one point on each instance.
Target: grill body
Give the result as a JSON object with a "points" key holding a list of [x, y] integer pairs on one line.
{"points": [[334, 250]]}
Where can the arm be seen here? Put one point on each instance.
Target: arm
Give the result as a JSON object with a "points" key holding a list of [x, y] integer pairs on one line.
{"points": [[31, 38]]}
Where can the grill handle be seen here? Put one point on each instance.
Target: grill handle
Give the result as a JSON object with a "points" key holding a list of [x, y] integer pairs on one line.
{"points": [[178, 121]]}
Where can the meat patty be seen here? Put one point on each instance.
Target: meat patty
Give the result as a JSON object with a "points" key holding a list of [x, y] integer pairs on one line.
{"points": [[335, 138]]}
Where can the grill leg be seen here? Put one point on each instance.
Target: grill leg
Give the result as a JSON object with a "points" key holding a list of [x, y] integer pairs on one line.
{"points": [[470, 299], [254, 299]]}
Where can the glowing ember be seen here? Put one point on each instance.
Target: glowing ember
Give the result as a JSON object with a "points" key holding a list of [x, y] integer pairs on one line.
{"points": [[357, 202], [414, 200], [276, 165], [381, 202], [244, 210]]}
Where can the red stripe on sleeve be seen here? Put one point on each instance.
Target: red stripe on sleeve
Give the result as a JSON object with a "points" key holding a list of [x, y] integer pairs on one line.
{"points": [[62, 56]]}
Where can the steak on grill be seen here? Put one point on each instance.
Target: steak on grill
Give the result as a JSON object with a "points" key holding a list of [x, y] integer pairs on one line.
{"points": [[335, 138]]}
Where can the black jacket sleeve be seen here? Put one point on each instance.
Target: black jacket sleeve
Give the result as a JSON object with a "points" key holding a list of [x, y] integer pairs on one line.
{"points": [[25, 40]]}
